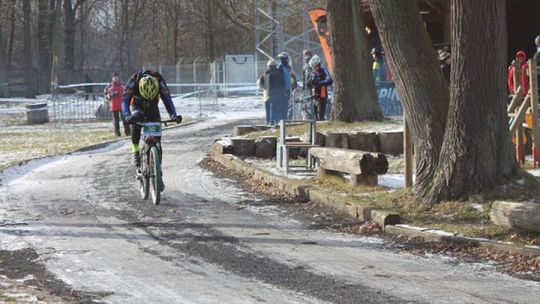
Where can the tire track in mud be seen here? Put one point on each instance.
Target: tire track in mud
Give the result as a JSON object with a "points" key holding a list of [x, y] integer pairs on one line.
{"points": [[170, 225]]}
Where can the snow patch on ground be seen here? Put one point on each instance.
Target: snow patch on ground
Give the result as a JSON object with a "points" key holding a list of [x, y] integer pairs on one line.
{"points": [[392, 181], [224, 107], [276, 213]]}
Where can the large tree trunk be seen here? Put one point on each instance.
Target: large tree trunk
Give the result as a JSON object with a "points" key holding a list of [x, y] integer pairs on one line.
{"points": [[27, 49], [11, 37], [210, 41], [355, 96], [3, 68], [421, 85], [477, 152], [82, 37], [123, 50], [69, 37], [45, 27]]}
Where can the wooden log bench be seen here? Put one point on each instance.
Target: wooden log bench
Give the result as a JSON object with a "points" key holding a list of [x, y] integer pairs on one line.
{"points": [[363, 167]]}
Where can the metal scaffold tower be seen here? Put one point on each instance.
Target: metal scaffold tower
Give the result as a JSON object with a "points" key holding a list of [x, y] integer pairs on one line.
{"points": [[284, 26]]}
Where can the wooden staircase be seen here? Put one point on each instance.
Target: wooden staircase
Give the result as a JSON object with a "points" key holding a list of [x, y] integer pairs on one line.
{"points": [[523, 113]]}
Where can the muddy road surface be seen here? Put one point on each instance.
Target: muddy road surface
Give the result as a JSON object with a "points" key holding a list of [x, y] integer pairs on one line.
{"points": [[75, 228]]}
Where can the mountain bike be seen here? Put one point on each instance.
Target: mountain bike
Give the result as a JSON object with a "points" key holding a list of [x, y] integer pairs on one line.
{"points": [[303, 105], [149, 173]]}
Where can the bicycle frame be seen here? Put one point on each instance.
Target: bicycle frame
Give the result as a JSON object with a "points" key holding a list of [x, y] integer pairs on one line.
{"points": [[149, 173]]}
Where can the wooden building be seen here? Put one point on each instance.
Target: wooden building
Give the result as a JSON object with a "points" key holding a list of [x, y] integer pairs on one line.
{"points": [[523, 23]]}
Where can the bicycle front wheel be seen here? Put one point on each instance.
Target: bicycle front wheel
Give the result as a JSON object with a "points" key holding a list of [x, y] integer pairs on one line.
{"points": [[144, 182], [155, 175]]}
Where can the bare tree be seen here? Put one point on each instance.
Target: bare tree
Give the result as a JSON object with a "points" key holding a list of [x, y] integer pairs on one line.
{"points": [[421, 85], [3, 64], [355, 95], [476, 152], [44, 30], [27, 48], [11, 37], [69, 36]]}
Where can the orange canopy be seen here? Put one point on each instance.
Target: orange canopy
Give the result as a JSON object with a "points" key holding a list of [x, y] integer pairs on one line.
{"points": [[318, 18]]}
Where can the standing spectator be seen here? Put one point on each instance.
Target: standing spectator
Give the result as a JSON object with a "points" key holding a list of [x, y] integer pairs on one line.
{"points": [[114, 92], [379, 66], [88, 88], [306, 69], [319, 81], [289, 78], [444, 61], [306, 74], [272, 83], [518, 71]]}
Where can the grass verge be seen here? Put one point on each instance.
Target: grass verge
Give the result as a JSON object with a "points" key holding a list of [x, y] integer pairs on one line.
{"points": [[324, 126], [469, 218], [24, 142]]}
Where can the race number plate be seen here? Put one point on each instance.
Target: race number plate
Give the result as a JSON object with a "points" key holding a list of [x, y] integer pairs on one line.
{"points": [[152, 129]]}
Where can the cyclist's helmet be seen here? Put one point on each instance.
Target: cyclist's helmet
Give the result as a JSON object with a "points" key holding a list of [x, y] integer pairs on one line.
{"points": [[315, 60], [271, 63], [148, 87], [537, 40]]}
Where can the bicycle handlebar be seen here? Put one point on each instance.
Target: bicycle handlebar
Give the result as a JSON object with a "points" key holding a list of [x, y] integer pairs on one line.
{"points": [[165, 122]]}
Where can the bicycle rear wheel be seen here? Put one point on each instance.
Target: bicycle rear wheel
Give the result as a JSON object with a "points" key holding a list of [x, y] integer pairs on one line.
{"points": [[155, 175], [144, 182]]}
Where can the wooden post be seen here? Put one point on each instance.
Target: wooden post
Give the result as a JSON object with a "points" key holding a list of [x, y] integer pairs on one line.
{"points": [[533, 76], [408, 151]]}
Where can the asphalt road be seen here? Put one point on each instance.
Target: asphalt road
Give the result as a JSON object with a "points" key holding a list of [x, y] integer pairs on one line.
{"points": [[76, 227]]}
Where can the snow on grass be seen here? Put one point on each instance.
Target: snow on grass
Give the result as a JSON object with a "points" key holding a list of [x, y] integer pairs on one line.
{"points": [[23, 142]]}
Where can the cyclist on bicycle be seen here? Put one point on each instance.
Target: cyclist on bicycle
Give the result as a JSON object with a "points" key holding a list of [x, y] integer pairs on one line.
{"points": [[140, 102]]}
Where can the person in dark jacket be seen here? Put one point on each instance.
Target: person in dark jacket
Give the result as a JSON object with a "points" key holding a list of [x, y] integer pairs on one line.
{"points": [[308, 54], [379, 65], [444, 62], [319, 82], [89, 90], [272, 82]]}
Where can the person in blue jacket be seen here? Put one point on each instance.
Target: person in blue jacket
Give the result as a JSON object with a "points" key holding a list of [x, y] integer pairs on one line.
{"points": [[379, 65], [271, 81], [285, 107], [319, 82]]}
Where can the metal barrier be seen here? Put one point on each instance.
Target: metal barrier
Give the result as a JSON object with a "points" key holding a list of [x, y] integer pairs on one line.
{"points": [[79, 102], [71, 103]]}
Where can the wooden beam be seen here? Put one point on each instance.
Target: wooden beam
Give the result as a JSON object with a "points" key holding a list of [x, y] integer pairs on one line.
{"points": [[350, 161], [518, 120], [516, 100]]}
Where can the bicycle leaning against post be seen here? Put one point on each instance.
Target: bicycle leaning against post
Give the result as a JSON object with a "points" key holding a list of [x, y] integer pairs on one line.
{"points": [[149, 173]]}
